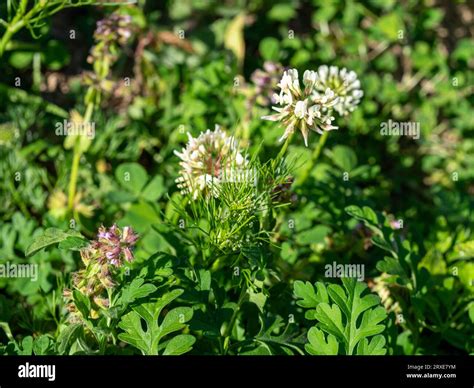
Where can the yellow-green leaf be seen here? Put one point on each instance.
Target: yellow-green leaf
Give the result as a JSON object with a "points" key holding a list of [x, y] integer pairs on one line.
{"points": [[234, 37]]}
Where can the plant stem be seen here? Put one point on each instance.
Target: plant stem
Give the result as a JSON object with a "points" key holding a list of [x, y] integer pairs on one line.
{"points": [[77, 153], [11, 30], [111, 300], [230, 327], [16, 24], [5, 39], [282, 152], [23, 18], [73, 179], [314, 157]]}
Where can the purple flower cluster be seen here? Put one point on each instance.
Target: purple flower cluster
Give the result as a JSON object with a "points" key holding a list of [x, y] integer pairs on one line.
{"points": [[114, 28], [102, 258], [265, 81], [115, 245]]}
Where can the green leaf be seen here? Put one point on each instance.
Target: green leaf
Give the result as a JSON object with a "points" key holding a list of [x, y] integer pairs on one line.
{"points": [[344, 157], [285, 342], [120, 196], [234, 37], [289, 253], [465, 250], [383, 243], [309, 297], [141, 327], [136, 290], [391, 266], [26, 346], [73, 243], [270, 49], [142, 215], [282, 12], [21, 59], [362, 214], [261, 350], [466, 274], [180, 344], [348, 316], [205, 280], [49, 237], [42, 345], [434, 18], [390, 25], [330, 320], [175, 319], [155, 189], [68, 336], [132, 176], [318, 344], [464, 49], [82, 303], [376, 346], [258, 298], [314, 235]]}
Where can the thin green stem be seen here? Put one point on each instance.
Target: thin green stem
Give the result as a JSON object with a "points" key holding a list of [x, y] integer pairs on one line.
{"points": [[282, 152], [76, 158], [73, 179], [23, 18], [314, 157], [11, 30], [111, 304], [5, 39], [17, 23], [36, 72]]}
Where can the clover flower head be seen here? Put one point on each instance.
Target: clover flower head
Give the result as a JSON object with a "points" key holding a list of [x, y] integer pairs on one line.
{"points": [[343, 83], [206, 161], [299, 108]]}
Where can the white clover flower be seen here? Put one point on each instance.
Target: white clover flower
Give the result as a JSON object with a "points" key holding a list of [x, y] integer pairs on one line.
{"points": [[206, 161], [301, 109], [343, 83]]}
